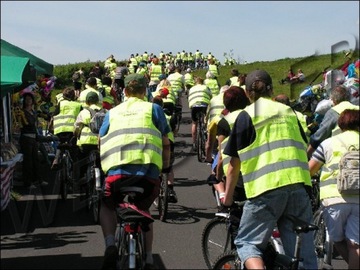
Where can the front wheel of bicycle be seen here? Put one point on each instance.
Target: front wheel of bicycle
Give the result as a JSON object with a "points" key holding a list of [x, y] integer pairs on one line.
{"points": [[227, 260], [215, 240], [163, 198]]}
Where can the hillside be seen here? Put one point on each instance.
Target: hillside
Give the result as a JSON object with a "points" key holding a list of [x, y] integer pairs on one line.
{"points": [[312, 67]]}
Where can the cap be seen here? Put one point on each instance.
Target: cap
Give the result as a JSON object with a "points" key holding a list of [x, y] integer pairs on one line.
{"points": [[140, 79], [258, 75], [92, 97], [162, 77], [164, 91]]}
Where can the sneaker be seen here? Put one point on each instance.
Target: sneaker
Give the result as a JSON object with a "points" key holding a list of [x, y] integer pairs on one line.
{"points": [[110, 257], [172, 196]]}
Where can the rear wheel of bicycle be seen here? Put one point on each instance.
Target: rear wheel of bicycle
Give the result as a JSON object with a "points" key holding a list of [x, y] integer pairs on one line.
{"points": [[163, 198], [227, 260], [200, 144], [122, 240], [323, 246], [95, 206], [215, 240]]}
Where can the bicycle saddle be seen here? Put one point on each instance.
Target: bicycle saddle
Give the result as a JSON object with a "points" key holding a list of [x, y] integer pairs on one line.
{"points": [[300, 225]]}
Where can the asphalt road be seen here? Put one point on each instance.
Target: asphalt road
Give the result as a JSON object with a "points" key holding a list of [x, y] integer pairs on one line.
{"points": [[42, 232]]}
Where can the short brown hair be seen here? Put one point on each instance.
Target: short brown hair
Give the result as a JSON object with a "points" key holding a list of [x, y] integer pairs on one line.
{"points": [[235, 98], [349, 120]]}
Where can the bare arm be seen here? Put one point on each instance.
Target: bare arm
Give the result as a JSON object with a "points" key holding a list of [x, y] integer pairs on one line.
{"points": [[314, 166], [232, 176]]}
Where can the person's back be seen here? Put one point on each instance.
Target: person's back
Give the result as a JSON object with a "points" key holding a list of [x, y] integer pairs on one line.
{"points": [[340, 210], [266, 143], [212, 83], [91, 86], [199, 93], [142, 124]]}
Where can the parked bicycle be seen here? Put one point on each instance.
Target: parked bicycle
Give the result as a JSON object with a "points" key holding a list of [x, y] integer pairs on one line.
{"points": [[272, 258], [132, 223]]}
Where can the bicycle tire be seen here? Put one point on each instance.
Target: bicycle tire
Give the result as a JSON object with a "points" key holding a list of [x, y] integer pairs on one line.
{"points": [[227, 260], [323, 246], [215, 240], [63, 179], [163, 198], [95, 205], [122, 245], [200, 144]]}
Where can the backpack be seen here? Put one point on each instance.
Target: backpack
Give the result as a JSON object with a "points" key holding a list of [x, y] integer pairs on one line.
{"points": [[97, 118], [348, 178]]}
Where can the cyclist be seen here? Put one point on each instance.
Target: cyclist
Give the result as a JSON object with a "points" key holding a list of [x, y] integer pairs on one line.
{"points": [[199, 94], [86, 140], [172, 194], [154, 72], [266, 142], [133, 151], [64, 119], [234, 79], [188, 80], [340, 212], [212, 83], [91, 86], [340, 96]]}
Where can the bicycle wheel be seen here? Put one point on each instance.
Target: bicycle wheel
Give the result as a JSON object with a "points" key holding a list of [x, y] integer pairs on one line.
{"points": [[215, 240], [95, 205], [140, 250], [122, 245], [227, 260], [64, 178], [163, 198], [200, 140], [323, 245]]}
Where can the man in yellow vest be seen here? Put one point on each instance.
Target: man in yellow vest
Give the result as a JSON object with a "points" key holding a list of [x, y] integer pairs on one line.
{"points": [[63, 120], [340, 96], [340, 211], [132, 123], [267, 145]]}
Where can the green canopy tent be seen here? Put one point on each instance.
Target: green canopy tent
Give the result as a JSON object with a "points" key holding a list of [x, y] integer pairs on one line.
{"points": [[40, 66], [19, 69]]}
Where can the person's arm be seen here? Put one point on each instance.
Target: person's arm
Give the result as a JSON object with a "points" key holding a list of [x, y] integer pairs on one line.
{"points": [[232, 176]]}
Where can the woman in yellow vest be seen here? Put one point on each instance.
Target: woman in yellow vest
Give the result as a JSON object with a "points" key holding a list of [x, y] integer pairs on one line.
{"points": [[267, 145], [134, 149], [340, 212], [63, 120]]}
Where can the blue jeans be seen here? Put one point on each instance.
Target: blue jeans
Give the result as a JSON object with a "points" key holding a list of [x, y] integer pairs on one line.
{"points": [[263, 213]]}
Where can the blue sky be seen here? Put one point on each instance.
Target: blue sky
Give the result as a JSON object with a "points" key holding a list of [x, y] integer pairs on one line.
{"points": [[71, 32]]}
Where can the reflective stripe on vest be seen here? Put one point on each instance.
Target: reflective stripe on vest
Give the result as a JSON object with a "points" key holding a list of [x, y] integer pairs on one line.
{"points": [[330, 170], [339, 108], [199, 93], [132, 137], [155, 73], [213, 86], [64, 121], [214, 70], [86, 136], [277, 157], [216, 106]]}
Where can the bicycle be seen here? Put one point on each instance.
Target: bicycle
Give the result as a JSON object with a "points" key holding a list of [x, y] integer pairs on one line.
{"points": [[218, 237], [323, 244], [65, 174], [201, 132], [162, 201], [93, 184], [272, 258], [132, 223]]}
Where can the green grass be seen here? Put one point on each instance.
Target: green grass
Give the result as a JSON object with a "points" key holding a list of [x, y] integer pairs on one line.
{"points": [[311, 66]]}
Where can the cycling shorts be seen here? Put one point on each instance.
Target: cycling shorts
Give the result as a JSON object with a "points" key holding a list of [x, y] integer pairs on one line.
{"points": [[195, 110], [112, 184]]}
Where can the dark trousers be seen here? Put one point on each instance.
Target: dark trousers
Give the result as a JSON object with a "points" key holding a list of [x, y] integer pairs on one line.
{"points": [[29, 149]]}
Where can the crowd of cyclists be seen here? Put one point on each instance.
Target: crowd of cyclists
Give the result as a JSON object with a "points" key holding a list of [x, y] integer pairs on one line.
{"points": [[258, 146]]}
